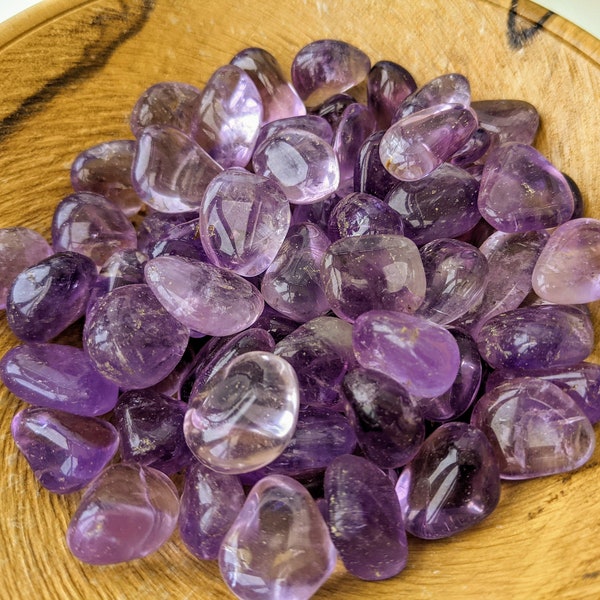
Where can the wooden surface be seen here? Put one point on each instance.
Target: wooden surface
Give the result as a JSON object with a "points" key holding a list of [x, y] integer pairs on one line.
{"points": [[70, 72]]}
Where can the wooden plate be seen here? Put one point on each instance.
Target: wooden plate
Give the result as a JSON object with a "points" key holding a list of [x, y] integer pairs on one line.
{"points": [[70, 72]]}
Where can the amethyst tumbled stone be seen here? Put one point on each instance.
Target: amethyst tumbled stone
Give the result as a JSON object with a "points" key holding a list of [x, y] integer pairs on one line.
{"points": [[508, 120]]}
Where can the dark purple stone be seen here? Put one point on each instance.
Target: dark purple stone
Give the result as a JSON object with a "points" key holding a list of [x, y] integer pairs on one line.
{"points": [[333, 108], [578, 201], [370, 176], [319, 212], [275, 323], [180, 240], [153, 227], [474, 149], [508, 120]]}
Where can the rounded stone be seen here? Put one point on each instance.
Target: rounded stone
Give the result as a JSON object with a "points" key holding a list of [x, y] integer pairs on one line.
{"points": [[508, 120]]}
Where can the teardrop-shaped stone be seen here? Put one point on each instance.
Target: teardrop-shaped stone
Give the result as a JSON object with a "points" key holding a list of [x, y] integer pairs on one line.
{"points": [[246, 414], [522, 191], [365, 520], [508, 120], [128, 512], [535, 428], [64, 451], [451, 484], [278, 547]]}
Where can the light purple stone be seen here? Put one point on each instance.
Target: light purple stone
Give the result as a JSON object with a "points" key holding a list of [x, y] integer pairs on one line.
{"points": [[418, 354], [128, 512], [313, 123], [244, 219], [228, 116], [180, 240], [536, 429], [279, 545], [327, 67], [203, 297], [64, 451], [365, 520], [508, 120], [155, 226], [370, 176]]}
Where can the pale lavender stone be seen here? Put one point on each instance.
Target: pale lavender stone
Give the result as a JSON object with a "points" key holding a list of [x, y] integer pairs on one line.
{"points": [[244, 219], [128, 512], [180, 240], [365, 520], [20, 248], [400, 345], [452, 484], [508, 120], [57, 377], [203, 297], [156, 225], [228, 116], [370, 176], [536, 429], [278, 547], [210, 504], [64, 451], [313, 123], [370, 272], [327, 67]]}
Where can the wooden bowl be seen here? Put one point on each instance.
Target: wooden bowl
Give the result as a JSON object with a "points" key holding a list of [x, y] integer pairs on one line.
{"points": [[71, 71]]}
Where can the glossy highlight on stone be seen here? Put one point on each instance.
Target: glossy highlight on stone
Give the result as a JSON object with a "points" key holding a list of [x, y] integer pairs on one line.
{"points": [[508, 120]]}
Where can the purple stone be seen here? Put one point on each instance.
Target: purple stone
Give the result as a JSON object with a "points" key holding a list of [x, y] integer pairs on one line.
{"points": [[210, 504], [279, 98], [279, 545], [131, 339], [475, 148], [327, 67], [365, 520], [400, 345], [319, 212], [64, 451], [105, 169], [303, 164], [150, 427], [370, 176], [537, 337], [228, 116], [156, 226], [59, 378], [578, 200], [387, 421], [20, 248], [167, 103], [508, 120], [443, 204], [91, 225], [456, 277], [244, 219], [49, 296], [170, 170], [333, 108], [275, 323], [536, 429], [388, 84], [313, 123], [128, 512], [373, 272], [203, 297], [417, 144], [452, 483], [246, 415], [292, 284], [180, 240], [172, 384]]}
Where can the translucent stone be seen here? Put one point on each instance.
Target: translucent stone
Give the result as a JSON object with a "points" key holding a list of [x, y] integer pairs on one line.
{"points": [[319, 212], [167, 103], [64, 451], [475, 149], [301, 162], [203, 297], [370, 176], [312, 123], [535, 428], [49, 296], [170, 170], [279, 98], [522, 191], [365, 520], [387, 421], [456, 278], [443, 204], [537, 337], [244, 219], [400, 345], [246, 414], [128, 512], [275, 323], [20, 248], [228, 116], [57, 377], [568, 269], [327, 67], [452, 483], [278, 548], [292, 284], [131, 339], [210, 504], [579, 203], [180, 240], [91, 225], [373, 272], [417, 144], [508, 120], [156, 225], [333, 108]]}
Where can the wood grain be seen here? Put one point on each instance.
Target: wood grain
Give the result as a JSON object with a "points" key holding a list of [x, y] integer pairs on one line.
{"points": [[69, 74]]}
